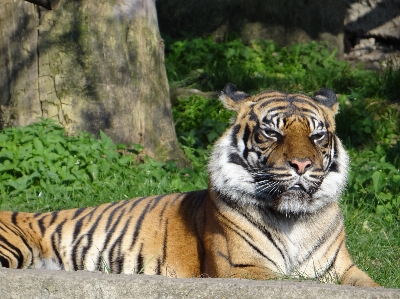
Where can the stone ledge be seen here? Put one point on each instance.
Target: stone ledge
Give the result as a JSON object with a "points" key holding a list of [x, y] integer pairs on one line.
{"points": [[82, 284]]}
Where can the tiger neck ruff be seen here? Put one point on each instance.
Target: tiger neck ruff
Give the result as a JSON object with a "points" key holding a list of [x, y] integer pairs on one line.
{"points": [[270, 210]]}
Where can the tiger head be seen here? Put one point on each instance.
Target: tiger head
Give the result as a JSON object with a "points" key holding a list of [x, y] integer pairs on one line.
{"points": [[280, 152]]}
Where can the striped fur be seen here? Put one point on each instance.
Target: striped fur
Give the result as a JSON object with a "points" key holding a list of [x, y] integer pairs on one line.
{"points": [[271, 208]]}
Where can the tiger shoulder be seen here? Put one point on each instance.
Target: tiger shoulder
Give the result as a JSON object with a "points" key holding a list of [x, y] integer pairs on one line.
{"points": [[270, 210]]}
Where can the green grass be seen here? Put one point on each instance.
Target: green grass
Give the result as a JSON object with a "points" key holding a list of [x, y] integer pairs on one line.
{"points": [[374, 244], [41, 169]]}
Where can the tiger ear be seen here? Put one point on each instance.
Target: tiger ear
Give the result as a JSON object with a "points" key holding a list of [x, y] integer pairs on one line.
{"points": [[327, 97], [232, 98]]}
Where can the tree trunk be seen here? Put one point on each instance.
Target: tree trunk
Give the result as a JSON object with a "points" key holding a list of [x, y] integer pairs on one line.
{"points": [[91, 65]]}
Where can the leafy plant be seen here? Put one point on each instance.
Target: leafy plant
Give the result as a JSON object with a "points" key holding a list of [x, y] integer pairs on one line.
{"points": [[43, 169], [207, 65]]}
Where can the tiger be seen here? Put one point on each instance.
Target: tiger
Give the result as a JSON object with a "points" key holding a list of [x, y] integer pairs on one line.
{"points": [[270, 210]]}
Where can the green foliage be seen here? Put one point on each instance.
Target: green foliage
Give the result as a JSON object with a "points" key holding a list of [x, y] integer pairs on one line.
{"points": [[198, 123], [389, 82], [374, 184], [207, 65], [42, 169]]}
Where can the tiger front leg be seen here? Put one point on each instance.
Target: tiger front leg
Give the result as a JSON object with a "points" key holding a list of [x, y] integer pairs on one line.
{"points": [[226, 260], [222, 267], [347, 271], [356, 277]]}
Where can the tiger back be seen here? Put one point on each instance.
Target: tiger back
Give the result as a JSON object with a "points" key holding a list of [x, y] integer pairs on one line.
{"points": [[275, 177]]}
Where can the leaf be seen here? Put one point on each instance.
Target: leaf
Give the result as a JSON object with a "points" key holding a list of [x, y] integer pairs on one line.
{"points": [[94, 171], [53, 176], [377, 179], [124, 160], [6, 154], [52, 156], [38, 145], [3, 138], [385, 197], [380, 209], [27, 138], [14, 183]]}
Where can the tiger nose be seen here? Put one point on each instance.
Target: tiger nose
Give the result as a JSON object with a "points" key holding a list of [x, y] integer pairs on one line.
{"points": [[300, 165]]}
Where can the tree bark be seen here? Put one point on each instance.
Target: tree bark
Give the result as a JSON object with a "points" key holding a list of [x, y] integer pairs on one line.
{"points": [[91, 65]]}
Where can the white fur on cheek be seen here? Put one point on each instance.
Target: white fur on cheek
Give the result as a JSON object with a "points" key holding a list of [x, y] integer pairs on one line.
{"points": [[335, 182], [228, 178]]}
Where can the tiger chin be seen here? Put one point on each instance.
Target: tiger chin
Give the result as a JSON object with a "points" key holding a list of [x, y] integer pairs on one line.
{"points": [[275, 177]]}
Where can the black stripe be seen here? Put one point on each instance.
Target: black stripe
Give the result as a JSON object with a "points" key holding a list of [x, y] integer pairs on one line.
{"points": [[139, 261], [335, 147], [110, 230], [79, 224], [53, 217], [160, 216], [309, 112], [232, 264], [235, 132], [348, 268], [78, 212], [118, 262], [333, 260], [4, 262], [116, 247], [156, 202], [158, 267], [334, 167], [199, 199], [245, 138], [42, 228], [112, 213], [16, 230], [290, 100], [253, 117], [15, 251], [196, 200], [262, 229], [276, 108], [89, 235], [178, 196], [135, 202], [165, 241], [109, 234], [327, 234], [14, 218], [138, 225], [236, 159], [240, 232], [55, 243]]}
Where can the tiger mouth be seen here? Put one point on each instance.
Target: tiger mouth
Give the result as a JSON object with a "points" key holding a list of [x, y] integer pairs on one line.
{"points": [[297, 187]]}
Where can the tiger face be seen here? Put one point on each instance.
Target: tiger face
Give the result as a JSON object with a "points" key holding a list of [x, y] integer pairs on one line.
{"points": [[280, 152]]}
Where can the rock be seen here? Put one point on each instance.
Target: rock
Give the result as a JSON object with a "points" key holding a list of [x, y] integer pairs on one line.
{"points": [[374, 18]]}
